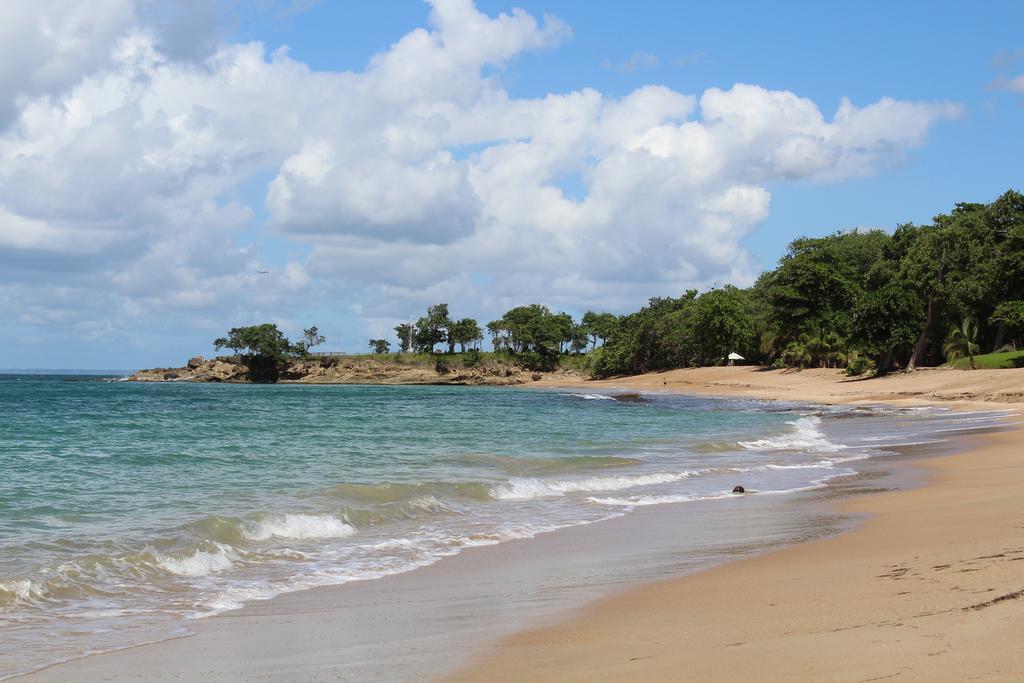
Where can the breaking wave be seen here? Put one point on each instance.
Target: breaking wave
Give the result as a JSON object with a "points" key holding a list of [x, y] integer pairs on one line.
{"points": [[297, 526], [199, 562], [805, 436], [525, 489]]}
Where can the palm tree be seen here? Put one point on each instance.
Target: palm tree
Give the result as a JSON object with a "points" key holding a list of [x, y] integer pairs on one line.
{"points": [[796, 355], [962, 341]]}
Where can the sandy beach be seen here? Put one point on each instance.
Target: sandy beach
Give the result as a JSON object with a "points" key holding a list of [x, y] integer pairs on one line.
{"points": [[929, 588], [926, 589], [927, 385]]}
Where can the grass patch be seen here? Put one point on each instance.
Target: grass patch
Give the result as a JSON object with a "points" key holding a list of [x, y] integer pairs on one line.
{"points": [[993, 361]]}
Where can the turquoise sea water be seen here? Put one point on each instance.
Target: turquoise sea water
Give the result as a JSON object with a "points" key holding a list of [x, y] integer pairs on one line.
{"points": [[127, 509]]}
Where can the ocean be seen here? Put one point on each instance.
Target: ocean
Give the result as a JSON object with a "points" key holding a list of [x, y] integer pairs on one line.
{"points": [[129, 510]]}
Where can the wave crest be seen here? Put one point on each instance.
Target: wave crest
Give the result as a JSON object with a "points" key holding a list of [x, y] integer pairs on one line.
{"points": [[297, 526], [199, 562], [805, 436], [529, 488]]}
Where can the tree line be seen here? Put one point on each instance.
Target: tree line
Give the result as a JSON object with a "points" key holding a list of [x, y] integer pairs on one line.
{"points": [[866, 300], [533, 333]]}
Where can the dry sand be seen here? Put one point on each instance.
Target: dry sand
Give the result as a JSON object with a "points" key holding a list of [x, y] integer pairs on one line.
{"points": [[929, 385], [931, 587]]}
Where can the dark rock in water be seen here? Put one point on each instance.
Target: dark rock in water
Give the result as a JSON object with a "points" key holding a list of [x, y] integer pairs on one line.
{"points": [[628, 398], [195, 362], [738, 489]]}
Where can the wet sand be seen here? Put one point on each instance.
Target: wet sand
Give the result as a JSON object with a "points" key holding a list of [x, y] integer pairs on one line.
{"points": [[930, 587]]}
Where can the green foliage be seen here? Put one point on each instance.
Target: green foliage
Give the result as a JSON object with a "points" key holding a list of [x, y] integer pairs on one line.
{"points": [[598, 326], [432, 329], [265, 347], [993, 361], [1009, 316], [961, 342], [532, 328], [311, 337], [380, 345], [463, 332], [867, 301], [858, 365], [405, 333], [817, 280], [472, 358], [261, 341], [691, 330], [541, 361]]}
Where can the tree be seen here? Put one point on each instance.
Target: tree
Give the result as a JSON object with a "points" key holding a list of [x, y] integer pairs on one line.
{"points": [[500, 338], [580, 339], [1009, 316], [598, 325], [818, 282], [380, 345], [885, 320], [463, 332], [432, 329], [720, 324], [261, 341], [265, 348], [310, 337], [532, 328], [562, 329], [405, 332], [961, 342]]}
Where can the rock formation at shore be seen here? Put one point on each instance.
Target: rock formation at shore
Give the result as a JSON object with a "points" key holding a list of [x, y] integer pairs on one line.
{"points": [[342, 370]]}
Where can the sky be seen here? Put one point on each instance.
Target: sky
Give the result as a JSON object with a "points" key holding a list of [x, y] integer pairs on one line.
{"points": [[171, 169]]}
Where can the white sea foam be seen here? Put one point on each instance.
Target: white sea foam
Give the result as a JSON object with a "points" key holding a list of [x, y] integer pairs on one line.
{"points": [[639, 501], [200, 562], [297, 526], [805, 436], [527, 488], [592, 397], [821, 464]]}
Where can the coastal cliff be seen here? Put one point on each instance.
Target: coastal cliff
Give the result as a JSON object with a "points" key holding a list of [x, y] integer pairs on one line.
{"points": [[352, 370]]}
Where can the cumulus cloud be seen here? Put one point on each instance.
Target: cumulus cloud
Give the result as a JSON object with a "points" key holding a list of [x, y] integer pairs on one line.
{"points": [[126, 171]]}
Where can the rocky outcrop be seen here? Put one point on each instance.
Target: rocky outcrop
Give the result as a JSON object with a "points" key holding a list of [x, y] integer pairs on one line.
{"points": [[341, 370]]}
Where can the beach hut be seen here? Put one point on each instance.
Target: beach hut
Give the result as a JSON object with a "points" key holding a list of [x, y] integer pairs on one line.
{"points": [[733, 357]]}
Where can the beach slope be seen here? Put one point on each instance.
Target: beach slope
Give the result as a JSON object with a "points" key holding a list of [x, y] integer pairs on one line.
{"points": [[931, 587]]}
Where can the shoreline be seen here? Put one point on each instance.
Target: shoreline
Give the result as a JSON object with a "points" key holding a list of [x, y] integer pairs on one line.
{"points": [[108, 662], [926, 386], [926, 585]]}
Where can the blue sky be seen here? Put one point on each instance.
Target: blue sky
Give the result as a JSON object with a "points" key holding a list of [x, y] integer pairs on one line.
{"points": [[824, 51], [537, 164]]}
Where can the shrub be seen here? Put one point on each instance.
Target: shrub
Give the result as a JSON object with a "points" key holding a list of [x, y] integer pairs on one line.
{"points": [[859, 365], [472, 358], [533, 360]]}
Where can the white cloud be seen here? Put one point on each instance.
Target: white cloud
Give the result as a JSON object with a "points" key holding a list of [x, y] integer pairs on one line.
{"points": [[1013, 84], [417, 179]]}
